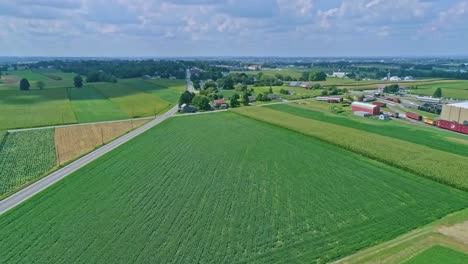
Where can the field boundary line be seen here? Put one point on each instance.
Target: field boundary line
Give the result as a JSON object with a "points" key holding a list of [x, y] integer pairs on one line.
{"points": [[81, 124], [42, 184]]}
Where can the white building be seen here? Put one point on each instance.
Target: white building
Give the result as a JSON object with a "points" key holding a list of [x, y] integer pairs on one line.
{"points": [[395, 79], [339, 74]]}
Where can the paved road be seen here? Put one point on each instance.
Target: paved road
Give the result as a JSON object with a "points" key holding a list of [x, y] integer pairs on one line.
{"points": [[190, 83], [26, 193]]}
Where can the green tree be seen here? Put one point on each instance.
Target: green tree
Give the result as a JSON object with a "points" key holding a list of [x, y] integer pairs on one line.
{"points": [[324, 92], [270, 90], [196, 84], [210, 85], [305, 76], [318, 76], [40, 85], [316, 86], [438, 93], [78, 81], [201, 102], [234, 101], [245, 98], [186, 98], [24, 85], [228, 83]]}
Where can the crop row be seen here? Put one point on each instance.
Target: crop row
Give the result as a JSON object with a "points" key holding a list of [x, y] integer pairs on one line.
{"points": [[438, 165], [25, 156], [258, 193]]}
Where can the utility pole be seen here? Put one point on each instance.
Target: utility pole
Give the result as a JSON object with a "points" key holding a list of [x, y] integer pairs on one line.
{"points": [[102, 136]]}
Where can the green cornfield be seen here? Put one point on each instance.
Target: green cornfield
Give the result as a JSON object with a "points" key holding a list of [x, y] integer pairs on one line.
{"points": [[24, 157], [438, 165], [433, 138], [222, 188]]}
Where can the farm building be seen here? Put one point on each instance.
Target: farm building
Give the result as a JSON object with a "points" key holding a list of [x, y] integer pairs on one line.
{"points": [[220, 103], [252, 99], [188, 108], [428, 99], [339, 74], [329, 99], [294, 84], [363, 107]]}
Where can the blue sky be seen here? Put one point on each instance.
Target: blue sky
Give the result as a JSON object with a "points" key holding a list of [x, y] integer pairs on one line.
{"points": [[233, 27]]}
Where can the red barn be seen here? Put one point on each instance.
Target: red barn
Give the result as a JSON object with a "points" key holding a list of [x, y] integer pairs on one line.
{"points": [[363, 107]]}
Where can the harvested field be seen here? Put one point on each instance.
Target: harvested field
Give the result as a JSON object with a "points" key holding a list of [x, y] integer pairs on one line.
{"points": [[75, 141]]}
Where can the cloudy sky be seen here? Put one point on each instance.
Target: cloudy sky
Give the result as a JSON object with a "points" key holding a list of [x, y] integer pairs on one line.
{"points": [[233, 27]]}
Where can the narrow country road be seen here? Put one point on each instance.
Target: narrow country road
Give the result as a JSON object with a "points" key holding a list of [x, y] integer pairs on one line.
{"points": [[28, 192]]}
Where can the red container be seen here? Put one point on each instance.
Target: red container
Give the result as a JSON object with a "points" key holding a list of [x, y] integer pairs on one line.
{"points": [[372, 111], [413, 116], [460, 128]]}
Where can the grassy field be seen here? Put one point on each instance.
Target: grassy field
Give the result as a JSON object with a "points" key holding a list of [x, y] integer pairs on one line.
{"points": [[439, 254], [93, 103], [455, 89], [437, 139], [75, 141], [89, 105], [426, 161], [132, 101], [409, 245], [35, 108], [33, 77], [25, 156], [302, 201], [168, 90]]}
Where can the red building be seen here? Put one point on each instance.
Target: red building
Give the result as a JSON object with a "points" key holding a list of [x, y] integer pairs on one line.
{"points": [[363, 107]]}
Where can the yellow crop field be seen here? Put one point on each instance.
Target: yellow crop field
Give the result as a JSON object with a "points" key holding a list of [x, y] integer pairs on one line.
{"points": [[75, 141]]}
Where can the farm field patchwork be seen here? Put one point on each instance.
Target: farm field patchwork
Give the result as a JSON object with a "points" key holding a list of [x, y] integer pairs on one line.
{"points": [[438, 165], [427, 137], [25, 156], [455, 89], [20, 109], [443, 232], [168, 90], [48, 77], [131, 100], [74, 141], [89, 105], [439, 254], [303, 201]]}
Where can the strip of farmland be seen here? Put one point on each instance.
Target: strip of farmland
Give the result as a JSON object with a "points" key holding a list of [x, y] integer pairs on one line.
{"points": [[25, 156], [438, 165], [259, 193], [429, 138]]}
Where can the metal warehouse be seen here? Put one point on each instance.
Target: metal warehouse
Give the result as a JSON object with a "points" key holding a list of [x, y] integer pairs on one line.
{"points": [[455, 112], [363, 107], [454, 117]]}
